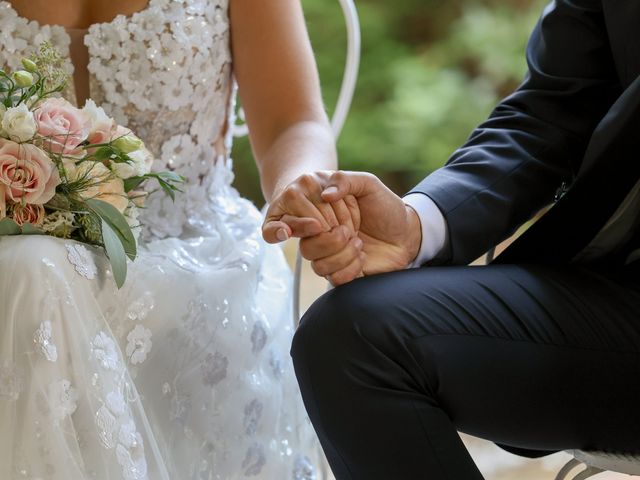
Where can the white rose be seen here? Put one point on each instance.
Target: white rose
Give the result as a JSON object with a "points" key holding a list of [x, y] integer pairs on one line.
{"points": [[19, 124], [96, 114], [140, 164]]}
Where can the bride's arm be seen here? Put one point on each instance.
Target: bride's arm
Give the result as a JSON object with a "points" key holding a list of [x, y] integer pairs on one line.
{"points": [[280, 92]]}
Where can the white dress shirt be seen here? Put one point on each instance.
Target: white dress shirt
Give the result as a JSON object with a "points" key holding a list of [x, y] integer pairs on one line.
{"points": [[434, 227]]}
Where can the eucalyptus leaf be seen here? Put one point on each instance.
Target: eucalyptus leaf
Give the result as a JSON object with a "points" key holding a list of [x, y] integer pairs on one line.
{"points": [[115, 251], [109, 214], [9, 227]]}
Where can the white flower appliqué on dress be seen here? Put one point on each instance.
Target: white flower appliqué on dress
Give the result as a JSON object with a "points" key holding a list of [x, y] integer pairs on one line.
{"points": [[105, 351], [138, 344], [62, 399], [80, 257], [42, 339]]}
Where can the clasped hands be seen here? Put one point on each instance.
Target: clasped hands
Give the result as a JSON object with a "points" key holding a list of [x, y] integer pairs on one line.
{"points": [[349, 224]]}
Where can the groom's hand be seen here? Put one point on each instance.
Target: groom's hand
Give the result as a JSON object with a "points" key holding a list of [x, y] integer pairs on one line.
{"points": [[390, 231]]}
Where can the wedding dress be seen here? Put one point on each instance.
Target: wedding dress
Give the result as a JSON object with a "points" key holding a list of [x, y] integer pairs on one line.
{"points": [[184, 373]]}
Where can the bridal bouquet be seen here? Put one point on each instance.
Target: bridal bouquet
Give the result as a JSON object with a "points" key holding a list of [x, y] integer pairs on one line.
{"points": [[70, 172]]}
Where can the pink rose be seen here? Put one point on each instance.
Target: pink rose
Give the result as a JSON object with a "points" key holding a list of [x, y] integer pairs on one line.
{"points": [[62, 125], [27, 174], [33, 214]]}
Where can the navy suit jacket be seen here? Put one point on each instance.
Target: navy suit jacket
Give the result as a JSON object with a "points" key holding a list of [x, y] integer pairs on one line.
{"points": [[577, 110]]}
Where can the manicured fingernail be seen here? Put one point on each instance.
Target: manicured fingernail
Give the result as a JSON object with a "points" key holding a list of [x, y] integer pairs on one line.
{"points": [[358, 243], [282, 235], [330, 190]]}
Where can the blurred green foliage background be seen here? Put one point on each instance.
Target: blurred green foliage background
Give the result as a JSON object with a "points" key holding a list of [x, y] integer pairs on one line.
{"points": [[431, 71]]}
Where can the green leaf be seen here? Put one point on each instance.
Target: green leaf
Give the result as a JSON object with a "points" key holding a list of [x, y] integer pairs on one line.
{"points": [[28, 229], [170, 177], [116, 252], [9, 227], [168, 189], [109, 214], [133, 183]]}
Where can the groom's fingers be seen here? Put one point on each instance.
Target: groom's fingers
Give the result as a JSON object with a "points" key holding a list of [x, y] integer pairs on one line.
{"points": [[344, 214], [325, 244], [347, 274], [343, 183], [329, 266]]}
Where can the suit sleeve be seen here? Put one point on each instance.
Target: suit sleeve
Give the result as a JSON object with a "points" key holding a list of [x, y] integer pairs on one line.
{"points": [[513, 163]]}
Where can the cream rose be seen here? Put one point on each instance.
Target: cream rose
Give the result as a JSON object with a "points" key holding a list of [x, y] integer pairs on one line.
{"points": [[140, 164], [62, 126], [103, 184], [27, 174], [29, 213], [18, 123]]}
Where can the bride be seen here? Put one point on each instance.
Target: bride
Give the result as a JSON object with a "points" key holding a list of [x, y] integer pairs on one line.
{"points": [[184, 373]]}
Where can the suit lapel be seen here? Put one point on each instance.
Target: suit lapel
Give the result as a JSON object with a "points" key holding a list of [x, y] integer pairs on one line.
{"points": [[609, 171], [622, 18]]}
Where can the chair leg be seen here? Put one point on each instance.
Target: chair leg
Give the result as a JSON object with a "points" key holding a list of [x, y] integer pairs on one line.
{"points": [[564, 471], [588, 472]]}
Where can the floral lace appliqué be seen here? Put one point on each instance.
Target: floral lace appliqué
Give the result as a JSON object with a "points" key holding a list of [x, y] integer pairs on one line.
{"points": [[105, 351], [42, 339], [138, 344], [106, 423], [214, 368], [254, 460], [80, 257], [63, 399], [303, 469]]}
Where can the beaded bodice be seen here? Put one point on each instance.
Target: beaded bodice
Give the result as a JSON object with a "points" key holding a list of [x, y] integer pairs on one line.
{"points": [[165, 72]]}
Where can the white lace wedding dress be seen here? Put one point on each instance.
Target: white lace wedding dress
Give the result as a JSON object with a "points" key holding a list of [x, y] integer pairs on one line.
{"points": [[184, 373]]}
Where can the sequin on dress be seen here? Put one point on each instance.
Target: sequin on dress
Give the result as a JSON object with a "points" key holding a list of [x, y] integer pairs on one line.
{"points": [[184, 373]]}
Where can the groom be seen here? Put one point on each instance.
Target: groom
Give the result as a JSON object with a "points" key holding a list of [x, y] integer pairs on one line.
{"points": [[539, 351]]}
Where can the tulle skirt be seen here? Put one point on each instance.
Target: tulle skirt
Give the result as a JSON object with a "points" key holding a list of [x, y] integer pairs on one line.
{"points": [[184, 373]]}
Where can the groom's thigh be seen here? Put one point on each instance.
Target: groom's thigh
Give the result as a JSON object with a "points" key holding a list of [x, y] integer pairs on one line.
{"points": [[529, 356]]}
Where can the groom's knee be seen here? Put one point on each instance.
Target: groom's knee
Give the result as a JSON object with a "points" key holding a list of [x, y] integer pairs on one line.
{"points": [[321, 327], [342, 324]]}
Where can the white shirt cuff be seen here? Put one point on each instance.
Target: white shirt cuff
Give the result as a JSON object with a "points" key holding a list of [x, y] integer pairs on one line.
{"points": [[434, 227]]}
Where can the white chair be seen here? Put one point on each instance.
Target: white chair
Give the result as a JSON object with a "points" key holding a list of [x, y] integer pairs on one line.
{"points": [[598, 462]]}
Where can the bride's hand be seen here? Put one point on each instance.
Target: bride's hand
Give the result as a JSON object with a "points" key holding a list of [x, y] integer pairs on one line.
{"points": [[299, 211]]}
